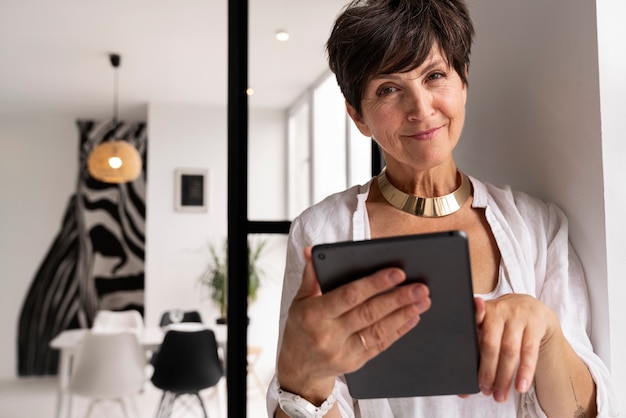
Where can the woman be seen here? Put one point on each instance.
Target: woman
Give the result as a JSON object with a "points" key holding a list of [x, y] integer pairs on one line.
{"points": [[402, 67]]}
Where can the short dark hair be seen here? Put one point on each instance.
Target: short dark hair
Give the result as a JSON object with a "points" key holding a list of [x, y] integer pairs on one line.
{"points": [[372, 37]]}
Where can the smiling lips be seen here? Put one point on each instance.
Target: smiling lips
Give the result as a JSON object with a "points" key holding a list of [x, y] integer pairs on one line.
{"points": [[426, 134]]}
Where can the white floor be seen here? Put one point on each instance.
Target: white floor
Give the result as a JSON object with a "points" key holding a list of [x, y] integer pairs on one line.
{"points": [[36, 398]]}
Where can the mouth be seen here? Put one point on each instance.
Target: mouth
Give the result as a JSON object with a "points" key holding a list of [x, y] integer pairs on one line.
{"points": [[426, 134]]}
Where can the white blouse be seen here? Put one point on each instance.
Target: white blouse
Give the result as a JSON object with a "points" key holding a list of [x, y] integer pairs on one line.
{"points": [[536, 259]]}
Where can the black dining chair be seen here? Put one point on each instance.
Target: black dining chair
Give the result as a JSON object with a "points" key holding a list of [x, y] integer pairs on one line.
{"points": [[188, 362], [188, 316], [166, 319]]}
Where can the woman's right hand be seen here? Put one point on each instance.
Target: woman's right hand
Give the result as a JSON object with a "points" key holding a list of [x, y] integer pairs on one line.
{"points": [[327, 335]]}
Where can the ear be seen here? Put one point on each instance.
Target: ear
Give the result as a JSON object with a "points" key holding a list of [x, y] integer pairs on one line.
{"points": [[358, 120], [464, 93], [465, 84]]}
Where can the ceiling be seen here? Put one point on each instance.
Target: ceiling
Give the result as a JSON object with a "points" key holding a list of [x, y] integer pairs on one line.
{"points": [[54, 54]]}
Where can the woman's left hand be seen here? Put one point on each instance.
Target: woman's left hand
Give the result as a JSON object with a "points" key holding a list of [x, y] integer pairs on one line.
{"points": [[513, 330]]}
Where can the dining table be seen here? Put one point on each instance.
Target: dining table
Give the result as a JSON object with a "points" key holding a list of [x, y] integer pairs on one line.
{"points": [[68, 342]]}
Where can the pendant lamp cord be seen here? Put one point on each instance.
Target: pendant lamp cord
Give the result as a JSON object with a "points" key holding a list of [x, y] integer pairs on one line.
{"points": [[115, 62]]}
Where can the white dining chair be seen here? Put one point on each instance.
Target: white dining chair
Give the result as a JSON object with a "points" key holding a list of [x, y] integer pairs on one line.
{"points": [[109, 367], [129, 320]]}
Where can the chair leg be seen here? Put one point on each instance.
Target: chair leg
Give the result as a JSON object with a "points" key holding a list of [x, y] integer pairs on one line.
{"points": [[129, 407], [253, 356], [91, 406], [123, 406], [201, 405], [257, 380], [133, 405], [69, 405], [165, 406], [159, 413], [168, 399], [216, 394]]}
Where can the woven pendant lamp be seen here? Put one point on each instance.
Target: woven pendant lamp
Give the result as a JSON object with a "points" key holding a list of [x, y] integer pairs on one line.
{"points": [[115, 160]]}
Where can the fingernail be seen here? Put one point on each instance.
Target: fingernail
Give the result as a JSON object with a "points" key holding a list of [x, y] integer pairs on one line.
{"points": [[499, 395], [412, 322], [487, 391], [395, 276], [523, 386], [417, 291]]}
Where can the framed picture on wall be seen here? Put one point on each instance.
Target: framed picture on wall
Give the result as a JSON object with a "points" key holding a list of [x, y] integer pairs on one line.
{"points": [[191, 190]]}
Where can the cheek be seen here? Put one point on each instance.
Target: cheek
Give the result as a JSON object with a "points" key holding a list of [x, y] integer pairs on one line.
{"points": [[387, 117], [460, 113], [381, 121], [454, 106], [456, 109]]}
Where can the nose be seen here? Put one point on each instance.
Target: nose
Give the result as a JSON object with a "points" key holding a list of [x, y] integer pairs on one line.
{"points": [[419, 103]]}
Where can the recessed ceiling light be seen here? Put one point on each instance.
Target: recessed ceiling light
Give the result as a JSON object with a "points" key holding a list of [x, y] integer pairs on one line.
{"points": [[282, 35]]}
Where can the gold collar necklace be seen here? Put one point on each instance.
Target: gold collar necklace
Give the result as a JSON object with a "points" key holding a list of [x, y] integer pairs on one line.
{"points": [[427, 207]]}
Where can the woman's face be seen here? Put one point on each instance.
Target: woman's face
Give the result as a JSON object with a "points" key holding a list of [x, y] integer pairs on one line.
{"points": [[416, 117]]}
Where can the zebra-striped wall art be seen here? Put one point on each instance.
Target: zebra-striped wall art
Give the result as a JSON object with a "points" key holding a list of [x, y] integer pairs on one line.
{"points": [[97, 259]]}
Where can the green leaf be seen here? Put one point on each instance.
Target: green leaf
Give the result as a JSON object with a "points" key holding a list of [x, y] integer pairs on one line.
{"points": [[215, 274]]}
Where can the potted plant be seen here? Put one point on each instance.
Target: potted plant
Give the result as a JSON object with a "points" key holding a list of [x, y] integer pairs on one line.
{"points": [[215, 275]]}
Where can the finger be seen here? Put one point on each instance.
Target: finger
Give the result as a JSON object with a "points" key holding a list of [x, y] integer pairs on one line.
{"points": [[384, 329], [309, 286], [508, 360], [363, 340], [395, 306], [480, 310], [489, 344], [529, 355], [345, 298]]}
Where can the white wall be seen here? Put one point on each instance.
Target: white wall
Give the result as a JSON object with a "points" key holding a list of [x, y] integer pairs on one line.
{"points": [[181, 137], [612, 67]]}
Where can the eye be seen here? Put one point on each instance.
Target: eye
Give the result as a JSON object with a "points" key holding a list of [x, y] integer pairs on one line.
{"points": [[385, 90], [436, 75]]}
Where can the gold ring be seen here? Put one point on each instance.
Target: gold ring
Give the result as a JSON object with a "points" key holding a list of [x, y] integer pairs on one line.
{"points": [[363, 341]]}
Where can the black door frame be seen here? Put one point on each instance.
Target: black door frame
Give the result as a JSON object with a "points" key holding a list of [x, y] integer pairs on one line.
{"points": [[238, 224]]}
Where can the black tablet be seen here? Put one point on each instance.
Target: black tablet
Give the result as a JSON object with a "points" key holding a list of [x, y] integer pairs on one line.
{"points": [[440, 355]]}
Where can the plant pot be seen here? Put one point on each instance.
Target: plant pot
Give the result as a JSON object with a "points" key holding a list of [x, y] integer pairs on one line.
{"points": [[223, 321]]}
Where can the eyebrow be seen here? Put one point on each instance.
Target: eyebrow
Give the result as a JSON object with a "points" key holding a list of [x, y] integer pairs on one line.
{"points": [[434, 62]]}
